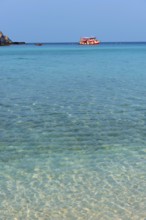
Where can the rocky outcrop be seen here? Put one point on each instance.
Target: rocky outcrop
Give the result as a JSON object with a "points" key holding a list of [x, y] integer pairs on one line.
{"points": [[5, 40], [18, 43]]}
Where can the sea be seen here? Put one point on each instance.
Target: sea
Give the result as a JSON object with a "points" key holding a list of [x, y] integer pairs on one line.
{"points": [[73, 132]]}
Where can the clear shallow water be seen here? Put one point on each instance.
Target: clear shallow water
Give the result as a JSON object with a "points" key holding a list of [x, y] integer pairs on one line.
{"points": [[73, 132]]}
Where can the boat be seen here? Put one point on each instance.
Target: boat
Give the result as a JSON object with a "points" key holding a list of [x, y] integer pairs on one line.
{"points": [[38, 44], [89, 41]]}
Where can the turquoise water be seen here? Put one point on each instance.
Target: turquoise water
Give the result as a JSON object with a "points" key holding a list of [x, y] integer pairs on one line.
{"points": [[73, 132]]}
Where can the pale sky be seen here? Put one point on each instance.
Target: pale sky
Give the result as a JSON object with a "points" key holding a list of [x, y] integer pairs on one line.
{"points": [[68, 20]]}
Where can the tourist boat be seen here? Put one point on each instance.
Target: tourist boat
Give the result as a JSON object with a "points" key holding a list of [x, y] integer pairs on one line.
{"points": [[89, 41]]}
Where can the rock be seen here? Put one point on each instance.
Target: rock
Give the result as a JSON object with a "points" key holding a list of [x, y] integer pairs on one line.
{"points": [[5, 40], [18, 43]]}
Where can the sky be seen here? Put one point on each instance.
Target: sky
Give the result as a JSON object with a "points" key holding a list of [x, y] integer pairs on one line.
{"points": [[68, 20]]}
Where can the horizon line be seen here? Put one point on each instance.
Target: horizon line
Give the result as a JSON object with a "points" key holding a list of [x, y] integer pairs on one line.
{"points": [[75, 42]]}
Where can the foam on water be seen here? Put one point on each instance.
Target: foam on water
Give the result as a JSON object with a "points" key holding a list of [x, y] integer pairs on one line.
{"points": [[72, 132]]}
